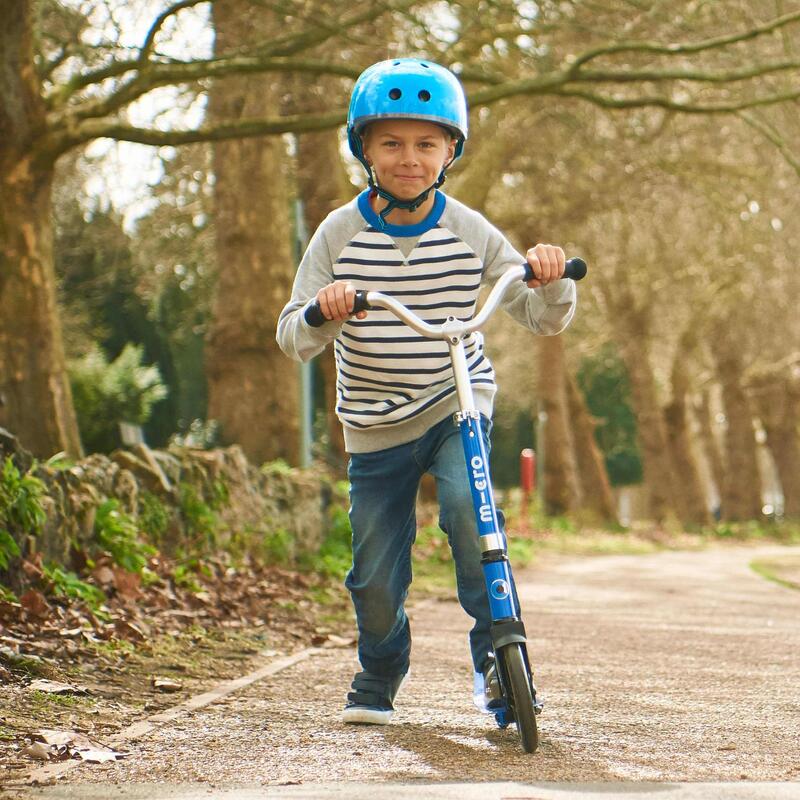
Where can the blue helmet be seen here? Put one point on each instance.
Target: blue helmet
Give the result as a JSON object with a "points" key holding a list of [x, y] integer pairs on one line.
{"points": [[407, 88]]}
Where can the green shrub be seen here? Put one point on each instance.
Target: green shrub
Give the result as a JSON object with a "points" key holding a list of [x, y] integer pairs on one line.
{"points": [[200, 520], [106, 394], [277, 547], [153, 517], [118, 533], [335, 554], [21, 508], [68, 584]]}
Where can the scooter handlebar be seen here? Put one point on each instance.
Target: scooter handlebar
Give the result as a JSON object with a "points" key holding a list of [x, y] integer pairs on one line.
{"points": [[575, 269]]}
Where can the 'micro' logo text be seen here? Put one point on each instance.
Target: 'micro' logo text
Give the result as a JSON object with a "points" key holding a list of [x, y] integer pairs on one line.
{"points": [[480, 483]]}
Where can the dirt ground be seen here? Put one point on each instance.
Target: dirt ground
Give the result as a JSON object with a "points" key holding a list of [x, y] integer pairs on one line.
{"points": [[673, 666]]}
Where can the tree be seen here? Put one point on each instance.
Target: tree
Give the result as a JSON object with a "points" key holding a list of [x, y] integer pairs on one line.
{"points": [[58, 92]]}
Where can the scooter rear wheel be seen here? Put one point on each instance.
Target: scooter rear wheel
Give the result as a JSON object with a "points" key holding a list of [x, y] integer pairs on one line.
{"points": [[520, 695]]}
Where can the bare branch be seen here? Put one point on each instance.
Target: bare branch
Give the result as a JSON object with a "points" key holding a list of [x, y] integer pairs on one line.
{"points": [[769, 132], [619, 103], [158, 75], [286, 46], [678, 49], [705, 76], [53, 144], [158, 23]]}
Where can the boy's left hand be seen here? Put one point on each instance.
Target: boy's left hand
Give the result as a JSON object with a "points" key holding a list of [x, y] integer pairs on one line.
{"points": [[547, 262]]}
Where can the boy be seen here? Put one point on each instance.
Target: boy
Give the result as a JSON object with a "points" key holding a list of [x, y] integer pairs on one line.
{"points": [[407, 124]]}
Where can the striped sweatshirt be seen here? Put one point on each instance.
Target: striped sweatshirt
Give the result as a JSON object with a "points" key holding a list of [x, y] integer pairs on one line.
{"points": [[392, 383]]}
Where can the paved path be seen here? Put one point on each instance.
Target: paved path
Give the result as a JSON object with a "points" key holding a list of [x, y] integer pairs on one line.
{"points": [[657, 669]]}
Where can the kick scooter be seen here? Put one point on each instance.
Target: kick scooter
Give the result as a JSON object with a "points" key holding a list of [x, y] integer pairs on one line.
{"points": [[513, 694]]}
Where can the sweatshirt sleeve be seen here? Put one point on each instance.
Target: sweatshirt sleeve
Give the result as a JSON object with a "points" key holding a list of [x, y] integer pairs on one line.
{"points": [[295, 336], [546, 310]]}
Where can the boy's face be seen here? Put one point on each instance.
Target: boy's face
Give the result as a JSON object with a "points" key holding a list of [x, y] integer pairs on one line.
{"points": [[407, 155]]}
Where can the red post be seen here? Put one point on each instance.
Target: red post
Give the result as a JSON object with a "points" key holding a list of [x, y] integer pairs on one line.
{"points": [[527, 483]]}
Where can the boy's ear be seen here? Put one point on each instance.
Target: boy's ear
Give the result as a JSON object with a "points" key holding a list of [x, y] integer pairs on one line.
{"points": [[451, 151]]}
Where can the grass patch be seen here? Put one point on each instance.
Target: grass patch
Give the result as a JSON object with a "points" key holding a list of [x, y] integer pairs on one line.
{"points": [[783, 571]]}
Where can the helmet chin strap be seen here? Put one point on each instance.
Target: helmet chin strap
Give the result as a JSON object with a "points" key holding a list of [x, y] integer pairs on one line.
{"points": [[395, 202]]}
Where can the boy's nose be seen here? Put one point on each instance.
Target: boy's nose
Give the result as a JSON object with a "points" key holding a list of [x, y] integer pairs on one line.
{"points": [[409, 155]]}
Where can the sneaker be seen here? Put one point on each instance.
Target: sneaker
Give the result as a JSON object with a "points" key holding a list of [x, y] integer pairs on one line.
{"points": [[371, 700], [486, 693]]}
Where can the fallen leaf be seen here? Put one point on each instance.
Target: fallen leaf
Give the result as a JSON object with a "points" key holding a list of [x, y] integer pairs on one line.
{"points": [[54, 687], [339, 641], [127, 630], [35, 604], [9, 610], [127, 583], [104, 575], [40, 751], [69, 744], [166, 685], [55, 737]]}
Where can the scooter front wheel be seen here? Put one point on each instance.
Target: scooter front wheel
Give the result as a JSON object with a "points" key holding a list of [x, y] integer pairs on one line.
{"points": [[520, 695]]}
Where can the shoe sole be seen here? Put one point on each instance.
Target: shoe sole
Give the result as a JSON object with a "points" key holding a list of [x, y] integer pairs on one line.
{"points": [[361, 715], [364, 715]]}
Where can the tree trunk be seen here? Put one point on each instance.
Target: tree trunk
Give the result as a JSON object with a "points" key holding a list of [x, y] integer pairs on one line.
{"points": [[710, 445], [323, 185], [741, 489], [561, 490], [690, 502], [35, 397], [778, 406], [253, 391], [592, 475]]}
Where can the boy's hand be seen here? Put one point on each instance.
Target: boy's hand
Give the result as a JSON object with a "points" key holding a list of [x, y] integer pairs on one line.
{"points": [[336, 301], [547, 262]]}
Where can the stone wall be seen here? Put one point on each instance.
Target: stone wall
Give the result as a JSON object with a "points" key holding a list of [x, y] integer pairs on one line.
{"points": [[239, 496]]}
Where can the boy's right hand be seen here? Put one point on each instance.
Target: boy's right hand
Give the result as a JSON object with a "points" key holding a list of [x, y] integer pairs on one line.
{"points": [[336, 301]]}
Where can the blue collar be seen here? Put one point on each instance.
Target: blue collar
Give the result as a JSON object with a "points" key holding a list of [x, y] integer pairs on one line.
{"points": [[416, 229]]}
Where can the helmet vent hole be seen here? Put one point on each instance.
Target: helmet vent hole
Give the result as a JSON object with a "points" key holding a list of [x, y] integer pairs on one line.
{"points": [[424, 95], [423, 64], [395, 94]]}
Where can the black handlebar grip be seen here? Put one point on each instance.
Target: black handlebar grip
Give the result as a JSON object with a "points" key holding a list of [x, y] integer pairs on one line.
{"points": [[315, 318], [575, 269]]}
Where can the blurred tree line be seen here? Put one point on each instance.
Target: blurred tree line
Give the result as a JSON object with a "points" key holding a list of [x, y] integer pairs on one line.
{"points": [[656, 139]]}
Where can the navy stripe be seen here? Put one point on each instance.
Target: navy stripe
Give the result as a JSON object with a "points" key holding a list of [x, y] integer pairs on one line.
{"points": [[436, 399], [390, 356], [360, 276], [366, 323], [440, 259], [399, 339], [391, 385], [369, 261], [373, 245], [449, 304], [431, 290], [442, 353], [389, 339], [392, 371], [436, 242], [416, 371]]}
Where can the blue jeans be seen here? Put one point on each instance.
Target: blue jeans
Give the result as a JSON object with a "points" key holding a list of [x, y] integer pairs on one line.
{"points": [[383, 494]]}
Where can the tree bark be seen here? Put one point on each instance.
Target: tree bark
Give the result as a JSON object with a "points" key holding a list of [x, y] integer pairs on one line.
{"points": [[690, 503], [252, 390], [631, 328], [561, 489], [710, 444], [323, 185], [35, 397], [741, 489], [778, 406], [592, 475]]}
